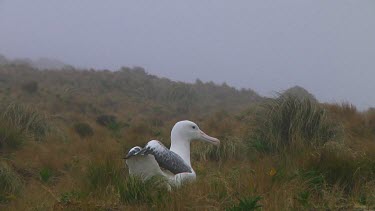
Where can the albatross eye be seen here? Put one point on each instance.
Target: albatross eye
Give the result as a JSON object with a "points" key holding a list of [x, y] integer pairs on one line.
{"points": [[193, 127]]}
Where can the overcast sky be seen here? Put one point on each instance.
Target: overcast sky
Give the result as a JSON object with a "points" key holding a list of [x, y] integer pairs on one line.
{"points": [[326, 46]]}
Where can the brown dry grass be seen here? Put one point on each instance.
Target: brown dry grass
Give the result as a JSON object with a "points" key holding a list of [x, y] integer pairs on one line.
{"points": [[88, 173]]}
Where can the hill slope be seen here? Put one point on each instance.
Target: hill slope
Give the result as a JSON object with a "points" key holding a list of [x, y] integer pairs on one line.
{"points": [[63, 134], [129, 90], [300, 93]]}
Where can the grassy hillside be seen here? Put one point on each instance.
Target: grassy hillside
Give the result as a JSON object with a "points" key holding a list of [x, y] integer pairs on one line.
{"points": [[91, 92], [63, 135]]}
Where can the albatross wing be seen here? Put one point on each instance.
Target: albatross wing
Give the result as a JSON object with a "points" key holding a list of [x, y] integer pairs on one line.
{"points": [[154, 156]]}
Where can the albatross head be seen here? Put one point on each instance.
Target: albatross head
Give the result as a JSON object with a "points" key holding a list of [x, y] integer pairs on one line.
{"points": [[188, 131]]}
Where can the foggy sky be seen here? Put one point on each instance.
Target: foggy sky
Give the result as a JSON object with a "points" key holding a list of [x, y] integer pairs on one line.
{"points": [[326, 46]]}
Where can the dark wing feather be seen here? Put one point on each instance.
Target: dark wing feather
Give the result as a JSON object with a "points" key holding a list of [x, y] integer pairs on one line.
{"points": [[166, 158]]}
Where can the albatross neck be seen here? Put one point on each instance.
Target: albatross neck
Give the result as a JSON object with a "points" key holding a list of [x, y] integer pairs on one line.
{"points": [[181, 146]]}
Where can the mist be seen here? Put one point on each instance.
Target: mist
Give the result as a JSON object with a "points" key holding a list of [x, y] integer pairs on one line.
{"points": [[327, 47]]}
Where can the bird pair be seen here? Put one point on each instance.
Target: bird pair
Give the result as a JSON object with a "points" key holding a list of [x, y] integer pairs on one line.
{"points": [[173, 164]]}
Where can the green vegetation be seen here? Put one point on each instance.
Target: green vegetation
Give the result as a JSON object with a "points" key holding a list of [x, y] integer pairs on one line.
{"points": [[340, 164], [45, 174], [26, 120], [70, 197], [289, 121], [18, 122], [63, 135], [134, 191], [10, 182], [30, 87], [106, 120], [103, 174], [10, 137], [83, 129], [248, 203]]}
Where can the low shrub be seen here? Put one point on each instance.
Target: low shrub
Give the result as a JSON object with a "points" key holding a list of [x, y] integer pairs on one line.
{"points": [[30, 87], [106, 120], [110, 122], [83, 129]]}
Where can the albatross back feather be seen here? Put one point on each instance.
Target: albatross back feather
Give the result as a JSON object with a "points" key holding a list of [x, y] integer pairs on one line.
{"points": [[155, 153]]}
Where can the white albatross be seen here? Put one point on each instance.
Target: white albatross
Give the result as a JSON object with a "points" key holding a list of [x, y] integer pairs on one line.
{"points": [[174, 163]]}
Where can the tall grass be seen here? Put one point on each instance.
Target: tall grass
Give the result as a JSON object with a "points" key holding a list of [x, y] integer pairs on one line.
{"points": [[135, 191], [109, 177], [103, 174], [10, 137], [289, 121], [230, 148], [370, 119], [10, 182], [341, 165], [90, 175], [355, 123], [26, 120]]}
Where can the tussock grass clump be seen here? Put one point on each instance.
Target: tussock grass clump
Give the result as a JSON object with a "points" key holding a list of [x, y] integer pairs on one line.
{"points": [[103, 174], [247, 203], [290, 121], [18, 123], [45, 174], [314, 179], [10, 182], [26, 120]]}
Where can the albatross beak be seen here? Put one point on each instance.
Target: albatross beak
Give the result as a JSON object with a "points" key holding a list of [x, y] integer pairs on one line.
{"points": [[212, 140]]}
